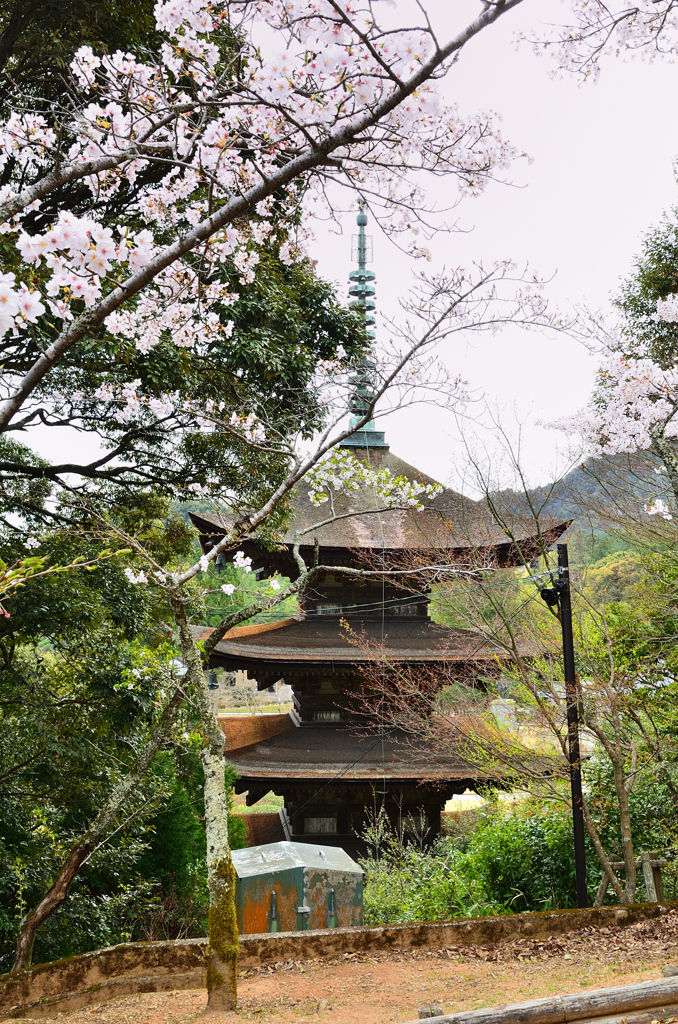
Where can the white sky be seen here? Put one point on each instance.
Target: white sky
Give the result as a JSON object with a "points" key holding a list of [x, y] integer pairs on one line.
{"points": [[602, 174]]}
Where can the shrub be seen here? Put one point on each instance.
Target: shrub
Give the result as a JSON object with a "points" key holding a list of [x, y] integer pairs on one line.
{"points": [[525, 862], [507, 864]]}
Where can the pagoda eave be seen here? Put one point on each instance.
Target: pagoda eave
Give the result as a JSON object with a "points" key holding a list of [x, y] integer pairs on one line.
{"points": [[236, 659], [350, 552], [308, 753], [324, 642], [413, 775]]}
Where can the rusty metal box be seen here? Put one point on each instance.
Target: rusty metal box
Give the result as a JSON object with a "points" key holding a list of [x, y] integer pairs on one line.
{"points": [[286, 887]]}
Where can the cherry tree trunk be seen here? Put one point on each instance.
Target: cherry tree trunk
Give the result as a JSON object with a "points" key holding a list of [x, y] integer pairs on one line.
{"points": [[50, 902], [95, 835]]}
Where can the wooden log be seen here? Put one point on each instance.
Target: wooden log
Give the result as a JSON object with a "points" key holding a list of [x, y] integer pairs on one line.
{"points": [[619, 865], [580, 1006], [642, 1017]]}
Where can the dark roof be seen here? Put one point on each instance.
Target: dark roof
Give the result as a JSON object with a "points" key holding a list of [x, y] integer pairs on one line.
{"points": [[448, 522], [322, 639], [319, 752]]}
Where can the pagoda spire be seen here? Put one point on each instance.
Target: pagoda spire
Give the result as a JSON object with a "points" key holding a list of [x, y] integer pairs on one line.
{"points": [[362, 292]]}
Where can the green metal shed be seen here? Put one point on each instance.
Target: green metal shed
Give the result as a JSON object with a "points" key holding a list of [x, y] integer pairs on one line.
{"points": [[286, 887]]}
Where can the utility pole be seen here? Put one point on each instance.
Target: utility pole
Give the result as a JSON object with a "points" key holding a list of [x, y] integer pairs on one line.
{"points": [[562, 586]]}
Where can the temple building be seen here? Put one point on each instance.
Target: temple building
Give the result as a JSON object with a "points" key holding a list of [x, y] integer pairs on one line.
{"points": [[332, 767]]}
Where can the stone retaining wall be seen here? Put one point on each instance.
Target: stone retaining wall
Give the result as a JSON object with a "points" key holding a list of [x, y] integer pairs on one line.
{"points": [[65, 985]]}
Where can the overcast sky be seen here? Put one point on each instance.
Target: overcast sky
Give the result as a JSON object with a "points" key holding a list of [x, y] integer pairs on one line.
{"points": [[602, 173]]}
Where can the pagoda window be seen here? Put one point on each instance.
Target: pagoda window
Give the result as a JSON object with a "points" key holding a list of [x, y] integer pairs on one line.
{"points": [[316, 826], [329, 609], [327, 716], [407, 609]]}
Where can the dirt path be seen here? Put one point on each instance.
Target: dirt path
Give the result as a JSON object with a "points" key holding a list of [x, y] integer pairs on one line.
{"points": [[389, 988]]}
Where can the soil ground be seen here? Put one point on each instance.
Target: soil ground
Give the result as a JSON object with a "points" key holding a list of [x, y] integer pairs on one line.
{"points": [[384, 988]]}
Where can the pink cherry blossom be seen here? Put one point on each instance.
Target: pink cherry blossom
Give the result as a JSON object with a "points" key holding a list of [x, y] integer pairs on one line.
{"points": [[634, 397], [323, 93], [599, 29], [30, 305], [659, 508]]}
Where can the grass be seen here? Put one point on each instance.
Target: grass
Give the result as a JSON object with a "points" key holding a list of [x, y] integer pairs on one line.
{"points": [[260, 709], [267, 805]]}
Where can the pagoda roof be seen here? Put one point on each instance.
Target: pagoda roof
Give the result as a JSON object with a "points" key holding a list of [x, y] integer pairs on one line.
{"points": [[321, 640], [448, 522], [318, 752]]}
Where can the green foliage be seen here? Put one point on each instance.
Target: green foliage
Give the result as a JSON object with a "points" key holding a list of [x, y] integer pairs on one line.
{"points": [[39, 37], [103, 900], [249, 588], [513, 861], [174, 861], [69, 724], [654, 815], [637, 591], [654, 276], [417, 886], [586, 546], [404, 883], [149, 884], [269, 804], [508, 864], [149, 881], [83, 670], [526, 862], [614, 577]]}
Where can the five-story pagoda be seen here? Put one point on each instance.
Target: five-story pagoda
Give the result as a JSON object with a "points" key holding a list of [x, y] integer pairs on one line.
{"points": [[331, 768]]}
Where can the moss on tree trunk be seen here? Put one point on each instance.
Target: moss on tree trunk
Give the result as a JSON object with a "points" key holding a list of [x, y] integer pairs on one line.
{"points": [[222, 951], [223, 940], [222, 948]]}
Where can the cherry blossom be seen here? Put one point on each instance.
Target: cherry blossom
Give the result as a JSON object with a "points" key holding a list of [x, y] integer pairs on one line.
{"points": [[658, 508], [228, 589], [633, 398], [667, 309], [9, 306], [240, 561], [136, 577], [323, 93], [341, 471], [30, 306], [612, 28]]}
